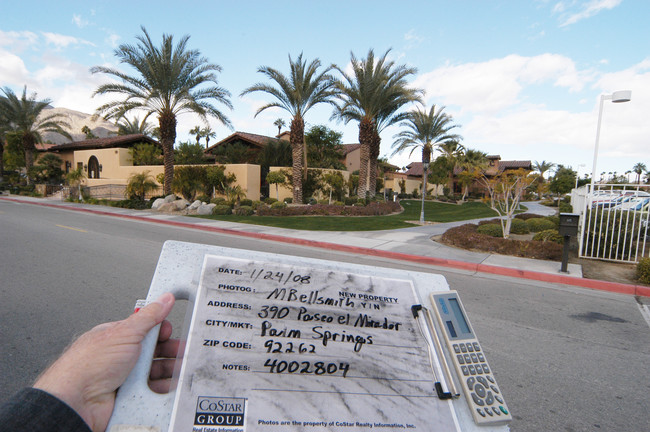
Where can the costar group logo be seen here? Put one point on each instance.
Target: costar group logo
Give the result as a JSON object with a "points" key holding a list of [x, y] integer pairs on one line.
{"points": [[219, 411]]}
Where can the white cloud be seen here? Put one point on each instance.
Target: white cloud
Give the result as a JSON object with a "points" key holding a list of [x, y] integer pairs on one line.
{"points": [[62, 41], [495, 85], [79, 21], [585, 10], [18, 41], [13, 71]]}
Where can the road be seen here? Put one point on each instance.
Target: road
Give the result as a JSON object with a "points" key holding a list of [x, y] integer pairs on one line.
{"points": [[567, 359]]}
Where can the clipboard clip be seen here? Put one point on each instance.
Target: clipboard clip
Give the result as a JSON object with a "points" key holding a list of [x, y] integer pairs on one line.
{"points": [[435, 348]]}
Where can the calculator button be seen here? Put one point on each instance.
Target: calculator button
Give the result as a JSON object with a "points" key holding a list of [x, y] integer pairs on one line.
{"points": [[470, 347], [489, 399], [489, 412], [460, 359], [468, 359], [472, 370], [482, 381], [486, 369], [470, 383], [465, 370], [463, 348], [480, 412], [477, 347], [481, 357], [505, 411], [494, 389], [477, 400], [490, 379], [474, 358], [456, 348], [499, 399], [496, 411], [480, 390]]}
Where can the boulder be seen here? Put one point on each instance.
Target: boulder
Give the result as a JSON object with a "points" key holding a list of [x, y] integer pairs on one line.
{"points": [[205, 209], [167, 207], [196, 204], [181, 204], [157, 203], [170, 198]]}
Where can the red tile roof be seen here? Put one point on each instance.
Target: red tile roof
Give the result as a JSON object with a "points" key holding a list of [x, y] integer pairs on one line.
{"points": [[257, 140], [110, 142]]}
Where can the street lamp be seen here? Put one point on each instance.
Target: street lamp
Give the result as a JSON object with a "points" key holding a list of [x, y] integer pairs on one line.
{"points": [[616, 97]]}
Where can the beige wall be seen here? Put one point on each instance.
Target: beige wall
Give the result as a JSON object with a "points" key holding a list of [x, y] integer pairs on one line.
{"points": [[412, 184], [352, 160], [286, 191]]}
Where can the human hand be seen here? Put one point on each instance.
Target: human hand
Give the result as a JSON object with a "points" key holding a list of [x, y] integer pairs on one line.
{"points": [[89, 372]]}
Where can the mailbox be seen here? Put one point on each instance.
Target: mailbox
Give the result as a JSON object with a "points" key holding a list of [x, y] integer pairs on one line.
{"points": [[569, 224]]}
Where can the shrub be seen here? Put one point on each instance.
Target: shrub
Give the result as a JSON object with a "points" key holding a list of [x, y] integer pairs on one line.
{"points": [[288, 200], [491, 229], [518, 226], [350, 200], [270, 200], [222, 210], [549, 235], [539, 224], [643, 270], [526, 216], [246, 202], [203, 198], [566, 208], [256, 204], [244, 211], [278, 205], [219, 201]]}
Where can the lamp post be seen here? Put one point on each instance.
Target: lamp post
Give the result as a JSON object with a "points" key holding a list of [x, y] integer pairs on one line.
{"points": [[616, 97]]}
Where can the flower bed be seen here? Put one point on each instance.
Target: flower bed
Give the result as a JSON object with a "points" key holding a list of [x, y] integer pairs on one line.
{"points": [[372, 209]]}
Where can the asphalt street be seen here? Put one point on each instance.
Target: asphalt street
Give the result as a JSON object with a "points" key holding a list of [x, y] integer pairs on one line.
{"points": [[566, 358]]}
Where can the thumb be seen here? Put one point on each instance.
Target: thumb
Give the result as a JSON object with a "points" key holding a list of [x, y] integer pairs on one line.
{"points": [[152, 314]]}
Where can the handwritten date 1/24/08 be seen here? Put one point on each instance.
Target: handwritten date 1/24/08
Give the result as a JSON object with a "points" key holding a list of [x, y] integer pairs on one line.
{"points": [[280, 276], [288, 347], [305, 367]]}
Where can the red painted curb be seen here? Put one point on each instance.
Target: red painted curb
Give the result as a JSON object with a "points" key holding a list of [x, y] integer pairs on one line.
{"points": [[440, 262]]}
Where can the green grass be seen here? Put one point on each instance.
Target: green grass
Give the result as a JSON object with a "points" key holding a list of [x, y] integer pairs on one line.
{"points": [[433, 212]]}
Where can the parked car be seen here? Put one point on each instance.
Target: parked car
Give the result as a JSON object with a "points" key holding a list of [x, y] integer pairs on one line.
{"points": [[632, 204]]}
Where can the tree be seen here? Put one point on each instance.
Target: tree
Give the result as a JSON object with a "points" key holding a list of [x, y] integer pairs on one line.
{"points": [[196, 130], [506, 190], [563, 181], [638, 169], [324, 147], [279, 123], [208, 134], [27, 117], [372, 95], [139, 185], [134, 126], [189, 154], [277, 178], [541, 168], [88, 132], [75, 178], [473, 163], [48, 169], [424, 131], [335, 182], [451, 152], [168, 80], [146, 154], [297, 93]]}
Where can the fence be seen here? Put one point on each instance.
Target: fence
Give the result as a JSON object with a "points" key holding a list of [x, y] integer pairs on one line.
{"points": [[614, 221]]}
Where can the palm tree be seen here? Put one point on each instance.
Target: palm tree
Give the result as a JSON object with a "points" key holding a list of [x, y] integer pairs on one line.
{"points": [[473, 162], [638, 169], [296, 94], [169, 80], [280, 124], [373, 95], [196, 130], [207, 133], [541, 167], [132, 126], [27, 117], [76, 177], [451, 152], [425, 131]]}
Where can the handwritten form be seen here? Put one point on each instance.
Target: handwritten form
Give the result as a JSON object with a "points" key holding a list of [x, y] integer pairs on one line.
{"points": [[275, 347]]}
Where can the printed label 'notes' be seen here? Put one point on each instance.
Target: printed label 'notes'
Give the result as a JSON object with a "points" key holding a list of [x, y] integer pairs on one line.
{"points": [[275, 347]]}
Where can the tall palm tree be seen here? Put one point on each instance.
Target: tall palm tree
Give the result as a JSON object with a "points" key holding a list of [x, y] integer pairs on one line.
{"points": [[297, 93], [196, 130], [425, 130], [168, 80], [208, 134], [27, 117], [639, 169], [280, 124], [473, 162], [541, 167], [372, 95], [134, 125]]}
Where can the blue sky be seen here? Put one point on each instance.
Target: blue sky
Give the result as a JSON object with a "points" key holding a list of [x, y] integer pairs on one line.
{"points": [[521, 78]]}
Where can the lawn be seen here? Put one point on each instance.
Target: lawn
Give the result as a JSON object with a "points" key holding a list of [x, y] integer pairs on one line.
{"points": [[433, 212]]}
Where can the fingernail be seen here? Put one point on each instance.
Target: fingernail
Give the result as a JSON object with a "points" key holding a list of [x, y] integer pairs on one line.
{"points": [[165, 299]]}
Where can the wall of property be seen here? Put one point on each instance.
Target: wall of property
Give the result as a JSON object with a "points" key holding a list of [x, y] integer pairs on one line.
{"points": [[413, 184], [352, 160], [286, 191]]}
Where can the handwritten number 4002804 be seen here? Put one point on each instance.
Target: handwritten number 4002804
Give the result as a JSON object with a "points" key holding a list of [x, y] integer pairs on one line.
{"points": [[305, 367]]}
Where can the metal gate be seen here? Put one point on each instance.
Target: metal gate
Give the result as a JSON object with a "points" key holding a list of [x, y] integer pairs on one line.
{"points": [[614, 223]]}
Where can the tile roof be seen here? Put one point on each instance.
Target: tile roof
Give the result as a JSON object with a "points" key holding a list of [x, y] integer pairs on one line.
{"points": [[99, 143], [504, 165], [349, 148], [254, 139]]}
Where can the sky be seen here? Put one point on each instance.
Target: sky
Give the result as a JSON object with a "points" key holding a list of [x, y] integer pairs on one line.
{"points": [[522, 79]]}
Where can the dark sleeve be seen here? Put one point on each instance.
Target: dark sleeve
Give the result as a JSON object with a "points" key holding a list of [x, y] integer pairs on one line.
{"points": [[38, 411]]}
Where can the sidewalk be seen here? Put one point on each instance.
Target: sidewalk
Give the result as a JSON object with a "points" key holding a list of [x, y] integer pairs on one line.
{"points": [[406, 244]]}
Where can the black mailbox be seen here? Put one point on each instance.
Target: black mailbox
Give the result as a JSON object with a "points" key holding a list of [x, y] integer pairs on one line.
{"points": [[569, 224]]}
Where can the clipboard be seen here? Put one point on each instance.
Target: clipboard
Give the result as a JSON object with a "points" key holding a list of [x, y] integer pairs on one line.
{"points": [[286, 343]]}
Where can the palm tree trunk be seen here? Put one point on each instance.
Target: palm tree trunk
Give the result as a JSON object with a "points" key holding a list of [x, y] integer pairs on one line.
{"points": [[167, 123], [297, 138], [366, 129], [28, 146], [372, 164]]}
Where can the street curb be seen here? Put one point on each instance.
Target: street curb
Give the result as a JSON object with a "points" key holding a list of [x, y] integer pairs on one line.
{"points": [[615, 287]]}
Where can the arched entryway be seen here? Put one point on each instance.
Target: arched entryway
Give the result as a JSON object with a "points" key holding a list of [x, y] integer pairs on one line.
{"points": [[93, 168]]}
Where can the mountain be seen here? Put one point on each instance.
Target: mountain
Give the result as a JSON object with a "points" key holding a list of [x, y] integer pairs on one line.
{"points": [[77, 120]]}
